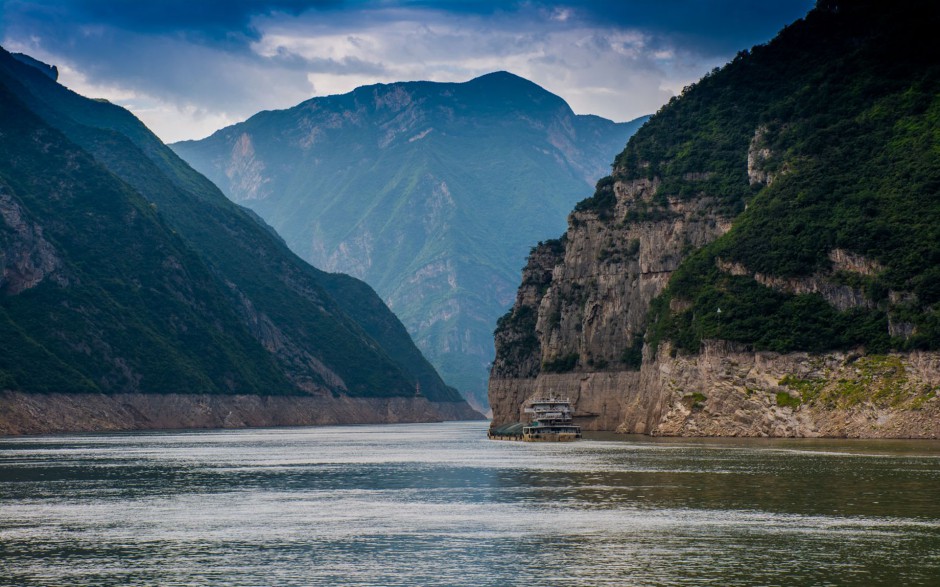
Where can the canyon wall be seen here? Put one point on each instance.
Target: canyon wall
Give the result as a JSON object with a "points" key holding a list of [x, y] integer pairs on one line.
{"points": [[725, 391], [577, 331]]}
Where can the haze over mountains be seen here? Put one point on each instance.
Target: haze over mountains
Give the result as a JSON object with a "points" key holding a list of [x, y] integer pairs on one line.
{"points": [[430, 192], [125, 271]]}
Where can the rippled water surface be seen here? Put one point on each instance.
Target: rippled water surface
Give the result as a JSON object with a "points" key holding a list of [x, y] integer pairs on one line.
{"points": [[438, 504]]}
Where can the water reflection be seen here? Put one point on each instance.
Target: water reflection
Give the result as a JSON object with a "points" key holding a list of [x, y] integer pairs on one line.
{"points": [[440, 505]]}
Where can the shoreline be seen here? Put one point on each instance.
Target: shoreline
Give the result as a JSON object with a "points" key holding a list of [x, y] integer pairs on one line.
{"points": [[52, 413]]}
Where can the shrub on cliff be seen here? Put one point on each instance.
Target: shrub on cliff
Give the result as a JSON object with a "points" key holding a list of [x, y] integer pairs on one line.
{"points": [[844, 109]]}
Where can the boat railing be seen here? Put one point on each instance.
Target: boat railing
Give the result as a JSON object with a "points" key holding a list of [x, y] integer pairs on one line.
{"points": [[550, 400]]}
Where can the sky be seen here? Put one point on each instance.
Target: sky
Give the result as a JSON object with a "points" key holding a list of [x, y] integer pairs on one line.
{"points": [[189, 67]]}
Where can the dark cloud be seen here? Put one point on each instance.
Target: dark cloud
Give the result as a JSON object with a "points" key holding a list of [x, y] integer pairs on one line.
{"points": [[715, 25], [212, 19], [186, 66]]}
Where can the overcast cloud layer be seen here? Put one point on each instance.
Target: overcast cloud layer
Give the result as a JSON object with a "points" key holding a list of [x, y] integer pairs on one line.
{"points": [[189, 67]]}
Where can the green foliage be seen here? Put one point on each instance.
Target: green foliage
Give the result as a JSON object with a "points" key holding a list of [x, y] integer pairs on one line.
{"points": [[555, 246], [518, 351], [603, 200], [598, 364], [633, 247], [737, 308], [561, 364], [643, 211], [847, 103], [181, 289], [808, 389], [694, 401], [785, 400], [877, 379], [127, 302], [520, 320], [632, 356]]}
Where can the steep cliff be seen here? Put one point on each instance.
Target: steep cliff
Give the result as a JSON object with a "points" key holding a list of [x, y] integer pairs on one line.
{"points": [[430, 192], [763, 259]]}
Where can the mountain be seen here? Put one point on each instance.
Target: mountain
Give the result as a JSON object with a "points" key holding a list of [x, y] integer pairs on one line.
{"points": [[764, 258], [125, 271], [98, 293], [430, 192]]}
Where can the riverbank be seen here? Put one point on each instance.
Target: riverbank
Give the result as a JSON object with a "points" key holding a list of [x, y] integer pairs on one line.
{"points": [[46, 413]]}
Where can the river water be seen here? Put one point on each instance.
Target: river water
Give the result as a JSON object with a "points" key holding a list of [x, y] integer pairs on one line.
{"points": [[438, 504]]}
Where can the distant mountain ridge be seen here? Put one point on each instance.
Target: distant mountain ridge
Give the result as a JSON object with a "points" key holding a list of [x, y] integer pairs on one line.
{"points": [[430, 192], [125, 271]]}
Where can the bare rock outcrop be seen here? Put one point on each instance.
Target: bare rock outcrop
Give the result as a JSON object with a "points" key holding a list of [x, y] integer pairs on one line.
{"points": [[726, 391], [758, 154], [839, 295], [245, 171], [26, 257], [584, 299]]}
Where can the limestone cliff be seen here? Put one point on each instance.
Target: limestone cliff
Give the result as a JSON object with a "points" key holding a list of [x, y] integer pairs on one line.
{"points": [[725, 391], [760, 262], [576, 330]]}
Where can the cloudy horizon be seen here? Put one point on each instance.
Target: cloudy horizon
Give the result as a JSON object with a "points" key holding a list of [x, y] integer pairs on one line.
{"points": [[189, 68]]}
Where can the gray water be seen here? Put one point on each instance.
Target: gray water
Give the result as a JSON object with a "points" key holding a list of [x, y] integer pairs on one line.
{"points": [[438, 504]]}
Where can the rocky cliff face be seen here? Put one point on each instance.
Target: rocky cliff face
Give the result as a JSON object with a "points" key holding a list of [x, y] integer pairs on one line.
{"points": [[26, 257], [725, 391], [577, 329], [577, 325], [600, 292], [757, 264], [584, 300]]}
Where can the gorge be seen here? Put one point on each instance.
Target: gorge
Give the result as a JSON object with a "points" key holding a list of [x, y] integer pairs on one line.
{"points": [[430, 192]]}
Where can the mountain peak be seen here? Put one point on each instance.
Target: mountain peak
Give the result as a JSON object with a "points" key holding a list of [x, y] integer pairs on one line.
{"points": [[505, 81], [501, 76], [429, 191]]}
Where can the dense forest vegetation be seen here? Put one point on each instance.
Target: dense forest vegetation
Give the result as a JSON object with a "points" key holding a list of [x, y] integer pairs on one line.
{"points": [[160, 283], [846, 106]]}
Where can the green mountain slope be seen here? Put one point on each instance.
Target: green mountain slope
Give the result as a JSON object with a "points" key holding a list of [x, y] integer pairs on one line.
{"points": [[824, 145], [304, 335], [98, 294], [429, 192], [840, 116]]}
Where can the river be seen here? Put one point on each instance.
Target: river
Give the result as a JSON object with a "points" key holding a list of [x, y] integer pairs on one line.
{"points": [[439, 505]]}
